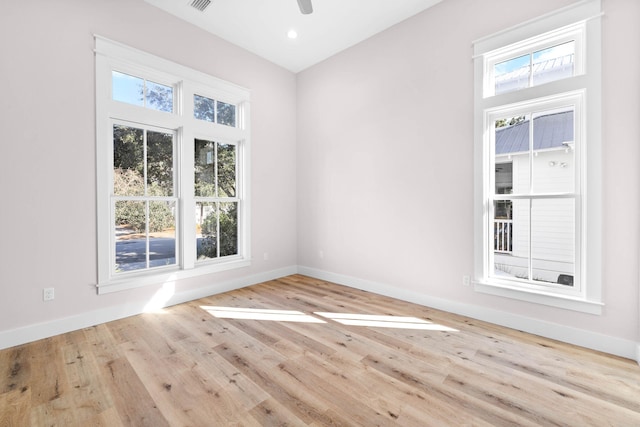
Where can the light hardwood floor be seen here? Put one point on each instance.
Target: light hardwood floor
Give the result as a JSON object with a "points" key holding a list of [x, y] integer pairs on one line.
{"points": [[266, 365]]}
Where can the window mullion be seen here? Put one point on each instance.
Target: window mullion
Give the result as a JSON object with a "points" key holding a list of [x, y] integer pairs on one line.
{"points": [[534, 196], [188, 238], [146, 233], [218, 229]]}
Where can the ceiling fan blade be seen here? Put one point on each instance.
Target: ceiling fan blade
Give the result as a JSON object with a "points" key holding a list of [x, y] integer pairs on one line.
{"points": [[305, 6]]}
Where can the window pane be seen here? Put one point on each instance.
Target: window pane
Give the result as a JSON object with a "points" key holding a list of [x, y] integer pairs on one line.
{"points": [[504, 178], [511, 238], [159, 97], [553, 240], [512, 154], [511, 136], [127, 88], [203, 108], [503, 226], [162, 233], [130, 235], [204, 165], [206, 230], [217, 229], [553, 163], [553, 63], [159, 164], [226, 170], [226, 114], [128, 161], [228, 213], [512, 74]]}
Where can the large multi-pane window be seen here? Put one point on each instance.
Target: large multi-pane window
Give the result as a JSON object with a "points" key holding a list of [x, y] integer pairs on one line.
{"points": [[537, 124], [172, 186]]}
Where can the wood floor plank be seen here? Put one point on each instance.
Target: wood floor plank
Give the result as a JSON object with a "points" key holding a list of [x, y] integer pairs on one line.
{"points": [[46, 370], [15, 368], [271, 413], [132, 403], [177, 394], [620, 391], [471, 406], [190, 365], [15, 407], [299, 401]]}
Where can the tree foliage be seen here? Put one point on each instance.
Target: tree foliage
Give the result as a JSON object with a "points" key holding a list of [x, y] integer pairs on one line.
{"points": [[212, 157], [159, 97], [220, 228], [509, 122], [129, 178], [132, 213], [214, 111]]}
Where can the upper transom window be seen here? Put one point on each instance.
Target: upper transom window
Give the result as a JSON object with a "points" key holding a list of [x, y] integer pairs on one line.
{"points": [[552, 56]]}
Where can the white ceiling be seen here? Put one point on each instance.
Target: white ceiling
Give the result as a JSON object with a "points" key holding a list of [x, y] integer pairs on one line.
{"points": [[261, 26]]}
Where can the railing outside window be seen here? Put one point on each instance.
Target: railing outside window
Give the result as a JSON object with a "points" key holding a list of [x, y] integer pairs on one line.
{"points": [[503, 235]]}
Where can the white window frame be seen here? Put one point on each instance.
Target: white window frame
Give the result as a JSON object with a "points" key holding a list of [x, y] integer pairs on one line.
{"points": [[186, 82], [578, 22], [574, 32]]}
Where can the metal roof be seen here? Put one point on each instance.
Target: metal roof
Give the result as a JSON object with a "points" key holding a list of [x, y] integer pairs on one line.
{"points": [[543, 72], [549, 131]]}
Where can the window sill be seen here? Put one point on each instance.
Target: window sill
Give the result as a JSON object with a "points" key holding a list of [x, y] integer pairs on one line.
{"points": [[538, 297], [166, 275]]}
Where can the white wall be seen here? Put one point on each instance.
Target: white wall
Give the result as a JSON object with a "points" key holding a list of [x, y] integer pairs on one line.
{"points": [[381, 197], [47, 149]]}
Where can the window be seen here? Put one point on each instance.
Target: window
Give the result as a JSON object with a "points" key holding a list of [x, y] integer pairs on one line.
{"points": [[537, 151], [216, 201], [172, 149], [143, 200], [214, 111], [532, 202]]}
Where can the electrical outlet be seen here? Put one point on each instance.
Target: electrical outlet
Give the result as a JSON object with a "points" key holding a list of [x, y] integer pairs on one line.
{"points": [[48, 294], [466, 280], [265, 256], [321, 254]]}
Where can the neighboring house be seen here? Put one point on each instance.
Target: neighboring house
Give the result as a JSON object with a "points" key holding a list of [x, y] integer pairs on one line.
{"points": [[552, 169], [545, 70]]}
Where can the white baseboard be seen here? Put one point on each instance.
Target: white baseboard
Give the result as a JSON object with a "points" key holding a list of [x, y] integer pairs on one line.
{"points": [[38, 331], [600, 342], [612, 345]]}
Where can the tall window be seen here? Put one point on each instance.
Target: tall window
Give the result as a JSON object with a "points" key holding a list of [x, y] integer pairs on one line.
{"points": [[172, 145], [537, 124], [216, 198], [532, 196], [144, 199]]}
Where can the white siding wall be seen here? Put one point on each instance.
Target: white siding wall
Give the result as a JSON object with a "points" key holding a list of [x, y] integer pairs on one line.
{"points": [[521, 207], [552, 248]]}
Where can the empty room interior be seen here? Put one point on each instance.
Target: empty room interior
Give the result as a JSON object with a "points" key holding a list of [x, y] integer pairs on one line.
{"points": [[325, 212]]}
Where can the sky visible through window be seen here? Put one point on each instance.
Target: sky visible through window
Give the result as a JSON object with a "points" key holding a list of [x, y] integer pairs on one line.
{"points": [[554, 52], [127, 88]]}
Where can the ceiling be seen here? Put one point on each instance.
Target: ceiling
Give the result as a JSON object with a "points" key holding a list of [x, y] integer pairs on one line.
{"points": [[261, 26]]}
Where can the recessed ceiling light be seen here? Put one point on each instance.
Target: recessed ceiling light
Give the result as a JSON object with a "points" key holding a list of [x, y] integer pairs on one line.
{"points": [[292, 34]]}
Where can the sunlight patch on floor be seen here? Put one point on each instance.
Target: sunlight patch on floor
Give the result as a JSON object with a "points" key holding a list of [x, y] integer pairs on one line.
{"points": [[261, 314], [370, 320], [381, 321]]}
